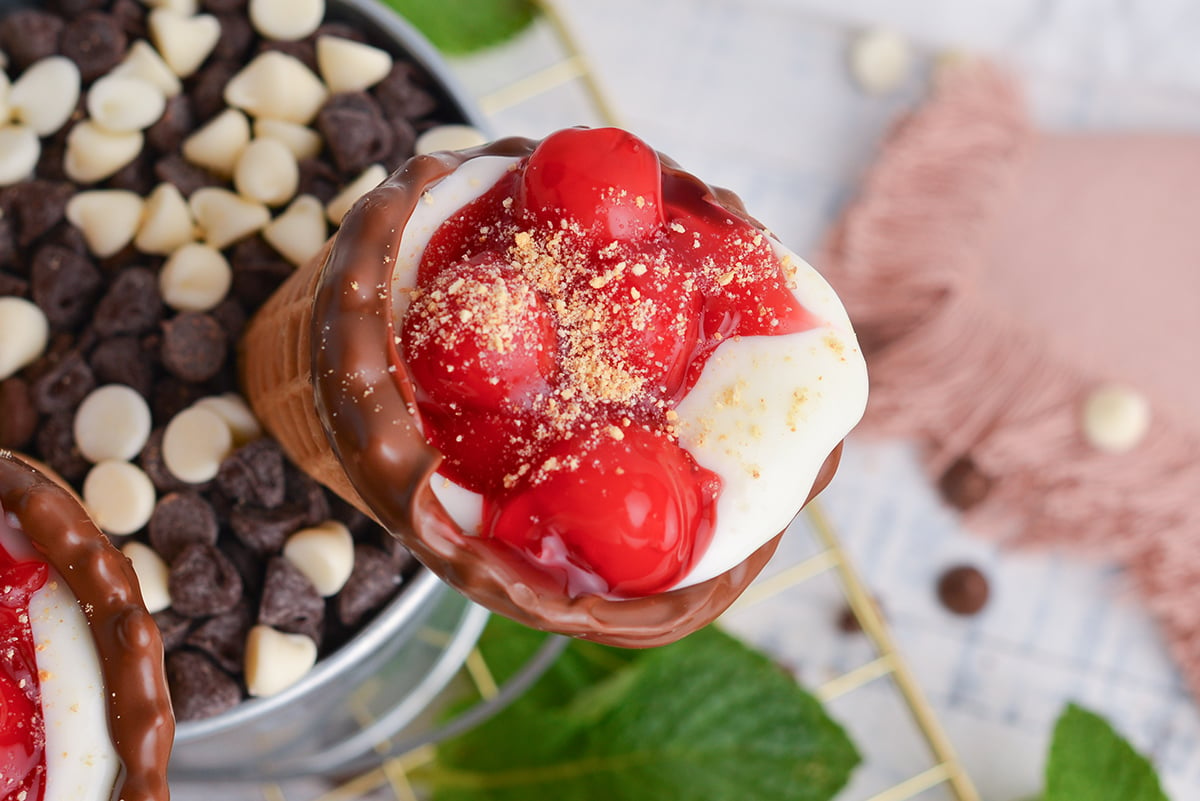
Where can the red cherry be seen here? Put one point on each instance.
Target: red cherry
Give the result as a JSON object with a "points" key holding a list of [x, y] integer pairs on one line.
{"points": [[655, 321], [478, 336], [636, 512], [605, 179], [20, 733]]}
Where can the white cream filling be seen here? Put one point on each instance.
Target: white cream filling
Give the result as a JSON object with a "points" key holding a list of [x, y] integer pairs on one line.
{"points": [[81, 764], [764, 414]]}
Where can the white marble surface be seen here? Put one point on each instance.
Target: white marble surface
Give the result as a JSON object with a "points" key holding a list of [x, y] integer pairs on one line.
{"points": [[755, 95]]}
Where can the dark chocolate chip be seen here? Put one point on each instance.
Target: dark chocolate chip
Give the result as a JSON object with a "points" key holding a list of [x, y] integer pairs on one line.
{"points": [[171, 396], [237, 37], [250, 565], [208, 89], [355, 132], [64, 285], [29, 35], [222, 6], [95, 42], [401, 95], [223, 637], [132, 304], [193, 346], [348, 515], [18, 416], [372, 582], [203, 582], [232, 317], [963, 590], [131, 16], [186, 177], [73, 8], [173, 627], [290, 602], [8, 242], [258, 270], [137, 176], [179, 520], [168, 132], [963, 485], [303, 51], [63, 387], [123, 360], [404, 141], [41, 206], [151, 460], [253, 475], [319, 179], [13, 286], [199, 689], [265, 530], [56, 446], [307, 494], [65, 235]]}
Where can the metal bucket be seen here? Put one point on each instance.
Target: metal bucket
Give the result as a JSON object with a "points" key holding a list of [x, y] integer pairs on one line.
{"points": [[381, 685]]}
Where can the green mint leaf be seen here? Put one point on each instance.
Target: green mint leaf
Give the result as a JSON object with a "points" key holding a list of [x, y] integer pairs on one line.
{"points": [[458, 27], [706, 717], [1089, 760]]}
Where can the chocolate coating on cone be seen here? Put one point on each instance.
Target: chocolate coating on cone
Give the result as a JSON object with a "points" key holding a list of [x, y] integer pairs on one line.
{"points": [[127, 640], [369, 415]]}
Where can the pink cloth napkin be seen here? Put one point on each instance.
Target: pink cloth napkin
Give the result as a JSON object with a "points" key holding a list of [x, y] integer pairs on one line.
{"points": [[997, 276]]}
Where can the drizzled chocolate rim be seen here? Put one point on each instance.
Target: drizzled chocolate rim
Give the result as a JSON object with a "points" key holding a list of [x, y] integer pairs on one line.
{"points": [[368, 412], [140, 721]]}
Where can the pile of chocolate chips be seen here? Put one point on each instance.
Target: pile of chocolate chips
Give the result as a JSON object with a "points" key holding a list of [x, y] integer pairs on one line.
{"points": [[108, 324]]}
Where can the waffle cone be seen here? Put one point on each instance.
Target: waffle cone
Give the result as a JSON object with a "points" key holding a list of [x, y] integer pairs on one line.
{"points": [[276, 367]]}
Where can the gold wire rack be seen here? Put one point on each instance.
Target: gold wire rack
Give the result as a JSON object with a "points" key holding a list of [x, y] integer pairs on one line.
{"points": [[390, 779]]}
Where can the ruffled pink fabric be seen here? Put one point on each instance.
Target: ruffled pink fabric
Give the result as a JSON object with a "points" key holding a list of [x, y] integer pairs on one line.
{"points": [[996, 276]]}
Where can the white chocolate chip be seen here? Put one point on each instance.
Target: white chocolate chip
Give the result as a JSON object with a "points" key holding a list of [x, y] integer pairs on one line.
{"points": [[219, 143], [370, 178], [349, 66], [153, 575], [19, 153], [24, 332], [183, 41], [233, 409], [196, 277], [94, 154], [5, 87], [267, 172], [195, 443], [113, 422], [119, 496], [1115, 418], [123, 103], [304, 142], [256, 89], [225, 217], [108, 218], [45, 95], [299, 232], [276, 661], [286, 20], [324, 553], [880, 60], [167, 223], [449, 137], [143, 61]]}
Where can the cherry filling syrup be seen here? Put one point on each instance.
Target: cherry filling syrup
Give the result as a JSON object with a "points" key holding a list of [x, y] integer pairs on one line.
{"points": [[556, 323], [22, 730]]}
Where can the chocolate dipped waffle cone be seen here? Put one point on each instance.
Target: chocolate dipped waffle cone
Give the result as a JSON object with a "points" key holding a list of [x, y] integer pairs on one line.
{"points": [[126, 640], [320, 368]]}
